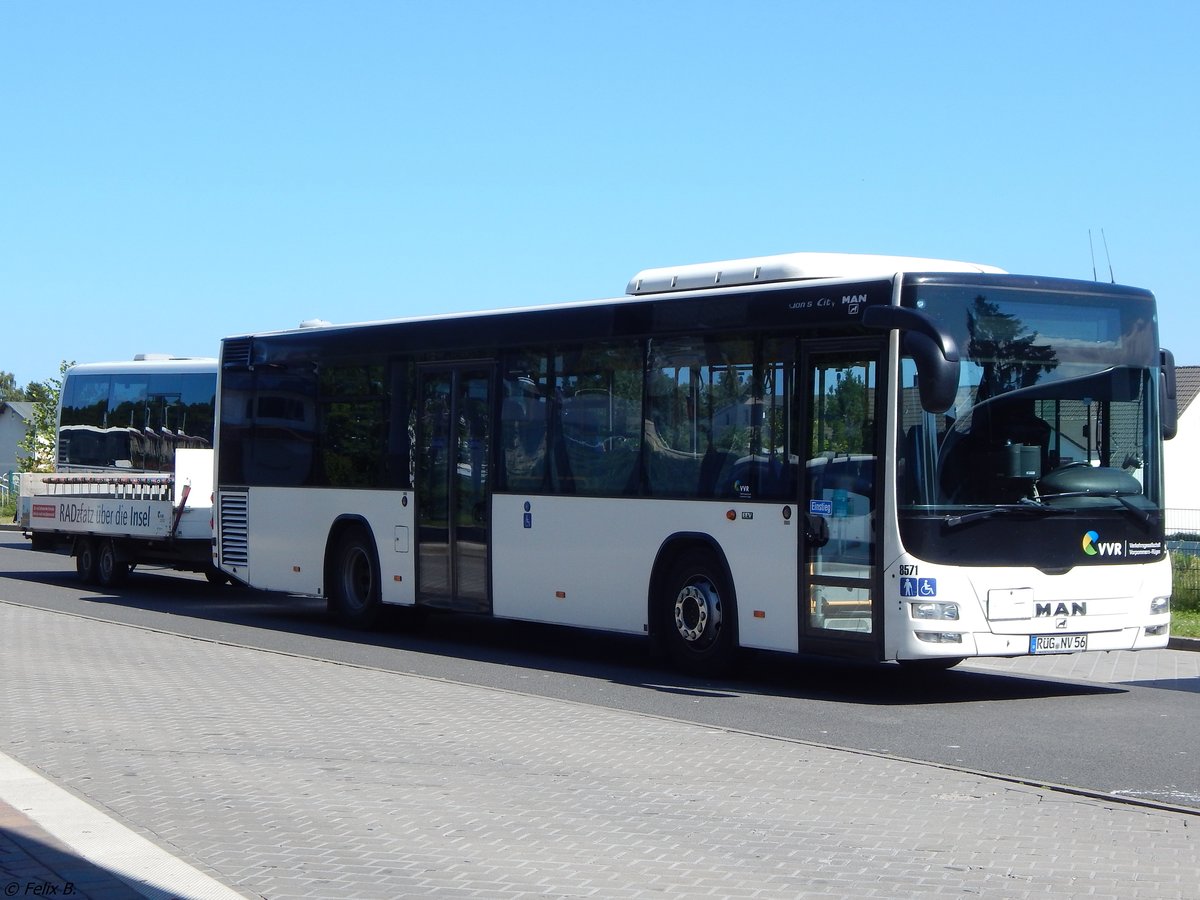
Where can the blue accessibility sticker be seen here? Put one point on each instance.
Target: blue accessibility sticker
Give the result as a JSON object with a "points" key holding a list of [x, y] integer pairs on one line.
{"points": [[918, 587]]}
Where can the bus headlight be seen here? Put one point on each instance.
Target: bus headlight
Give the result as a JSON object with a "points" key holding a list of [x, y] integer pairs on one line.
{"points": [[1160, 605], [933, 610]]}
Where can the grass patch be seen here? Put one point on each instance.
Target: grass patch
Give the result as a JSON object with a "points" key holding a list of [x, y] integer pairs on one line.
{"points": [[1185, 623], [1185, 595], [1185, 581]]}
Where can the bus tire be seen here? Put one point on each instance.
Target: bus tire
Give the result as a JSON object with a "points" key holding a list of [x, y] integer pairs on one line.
{"points": [[698, 616], [111, 570], [354, 589], [85, 560]]}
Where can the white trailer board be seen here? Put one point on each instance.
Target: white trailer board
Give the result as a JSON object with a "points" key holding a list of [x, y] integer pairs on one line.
{"points": [[128, 519]]}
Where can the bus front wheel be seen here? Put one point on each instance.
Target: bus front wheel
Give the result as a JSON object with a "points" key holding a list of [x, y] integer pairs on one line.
{"points": [[698, 616], [354, 588]]}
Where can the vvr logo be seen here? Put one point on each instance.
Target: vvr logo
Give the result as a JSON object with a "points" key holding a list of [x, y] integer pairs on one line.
{"points": [[1093, 546]]}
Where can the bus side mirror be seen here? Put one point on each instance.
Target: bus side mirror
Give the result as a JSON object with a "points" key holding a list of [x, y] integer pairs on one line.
{"points": [[937, 377], [933, 350], [1166, 394]]}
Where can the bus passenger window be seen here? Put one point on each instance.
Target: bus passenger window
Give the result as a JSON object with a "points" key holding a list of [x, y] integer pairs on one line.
{"points": [[701, 417], [524, 423], [599, 399]]}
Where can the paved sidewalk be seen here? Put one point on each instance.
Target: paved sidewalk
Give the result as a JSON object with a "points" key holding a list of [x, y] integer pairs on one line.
{"points": [[35, 861], [57, 845], [283, 777]]}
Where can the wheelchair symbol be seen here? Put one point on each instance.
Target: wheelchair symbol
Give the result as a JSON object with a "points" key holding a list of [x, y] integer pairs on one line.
{"points": [[928, 587]]}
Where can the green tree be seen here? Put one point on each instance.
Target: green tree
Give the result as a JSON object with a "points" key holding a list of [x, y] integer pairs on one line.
{"points": [[38, 443], [8, 387]]}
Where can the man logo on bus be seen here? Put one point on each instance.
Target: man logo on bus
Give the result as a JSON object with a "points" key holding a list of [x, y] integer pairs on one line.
{"points": [[1092, 545]]}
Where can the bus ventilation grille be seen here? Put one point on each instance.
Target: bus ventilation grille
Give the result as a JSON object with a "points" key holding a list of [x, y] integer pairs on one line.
{"points": [[235, 529], [236, 354]]}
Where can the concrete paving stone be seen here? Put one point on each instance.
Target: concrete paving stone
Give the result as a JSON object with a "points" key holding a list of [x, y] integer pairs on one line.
{"points": [[410, 785]]}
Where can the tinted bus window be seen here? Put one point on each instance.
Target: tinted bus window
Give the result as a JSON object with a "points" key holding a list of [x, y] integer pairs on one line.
{"points": [[598, 390]]}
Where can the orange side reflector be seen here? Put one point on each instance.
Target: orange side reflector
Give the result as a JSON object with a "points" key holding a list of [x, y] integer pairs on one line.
{"points": [[397, 578], [560, 595], [295, 568], [760, 614]]}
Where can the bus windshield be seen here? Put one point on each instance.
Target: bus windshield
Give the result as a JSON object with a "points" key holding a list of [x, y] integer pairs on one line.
{"points": [[1056, 406]]}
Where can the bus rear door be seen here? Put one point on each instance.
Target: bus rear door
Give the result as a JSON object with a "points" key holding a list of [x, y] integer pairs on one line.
{"points": [[453, 486]]}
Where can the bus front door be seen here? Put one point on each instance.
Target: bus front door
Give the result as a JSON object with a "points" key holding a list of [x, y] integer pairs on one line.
{"points": [[840, 492], [453, 490]]}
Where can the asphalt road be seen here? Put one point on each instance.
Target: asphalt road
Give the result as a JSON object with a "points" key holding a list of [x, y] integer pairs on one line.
{"points": [[1136, 739]]}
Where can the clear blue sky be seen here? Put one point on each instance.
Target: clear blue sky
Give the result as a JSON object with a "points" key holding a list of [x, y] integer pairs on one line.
{"points": [[173, 173]]}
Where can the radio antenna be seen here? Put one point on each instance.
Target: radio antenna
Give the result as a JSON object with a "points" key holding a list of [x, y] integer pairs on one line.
{"points": [[1111, 277], [1092, 250]]}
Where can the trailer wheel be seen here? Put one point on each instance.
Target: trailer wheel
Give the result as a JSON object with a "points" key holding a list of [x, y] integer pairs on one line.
{"points": [[215, 576], [698, 616], [85, 560], [354, 587], [111, 571]]}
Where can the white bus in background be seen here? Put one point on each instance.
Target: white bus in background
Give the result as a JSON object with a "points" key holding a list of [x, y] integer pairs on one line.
{"points": [[133, 469], [870, 457]]}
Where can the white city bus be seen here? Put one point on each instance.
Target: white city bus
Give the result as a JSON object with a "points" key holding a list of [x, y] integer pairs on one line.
{"points": [[872, 457]]}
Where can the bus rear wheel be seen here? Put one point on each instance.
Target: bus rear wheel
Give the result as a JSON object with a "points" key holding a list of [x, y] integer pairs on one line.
{"points": [[111, 570], [698, 616], [85, 560], [354, 580]]}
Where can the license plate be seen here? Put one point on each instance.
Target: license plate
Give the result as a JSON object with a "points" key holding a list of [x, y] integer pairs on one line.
{"points": [[1057, 643]]}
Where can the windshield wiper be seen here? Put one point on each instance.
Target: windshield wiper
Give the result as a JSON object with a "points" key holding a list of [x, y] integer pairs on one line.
{"points": [[1025, 506], [1145, 516]]}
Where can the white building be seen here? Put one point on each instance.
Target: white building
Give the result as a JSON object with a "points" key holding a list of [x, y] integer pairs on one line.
{"points": [[14, 420], [1180, 456]]}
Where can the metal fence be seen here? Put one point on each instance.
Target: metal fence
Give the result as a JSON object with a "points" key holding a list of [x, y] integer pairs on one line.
{"points": [[1183, 523], [10, 487], [1183, 540]]}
